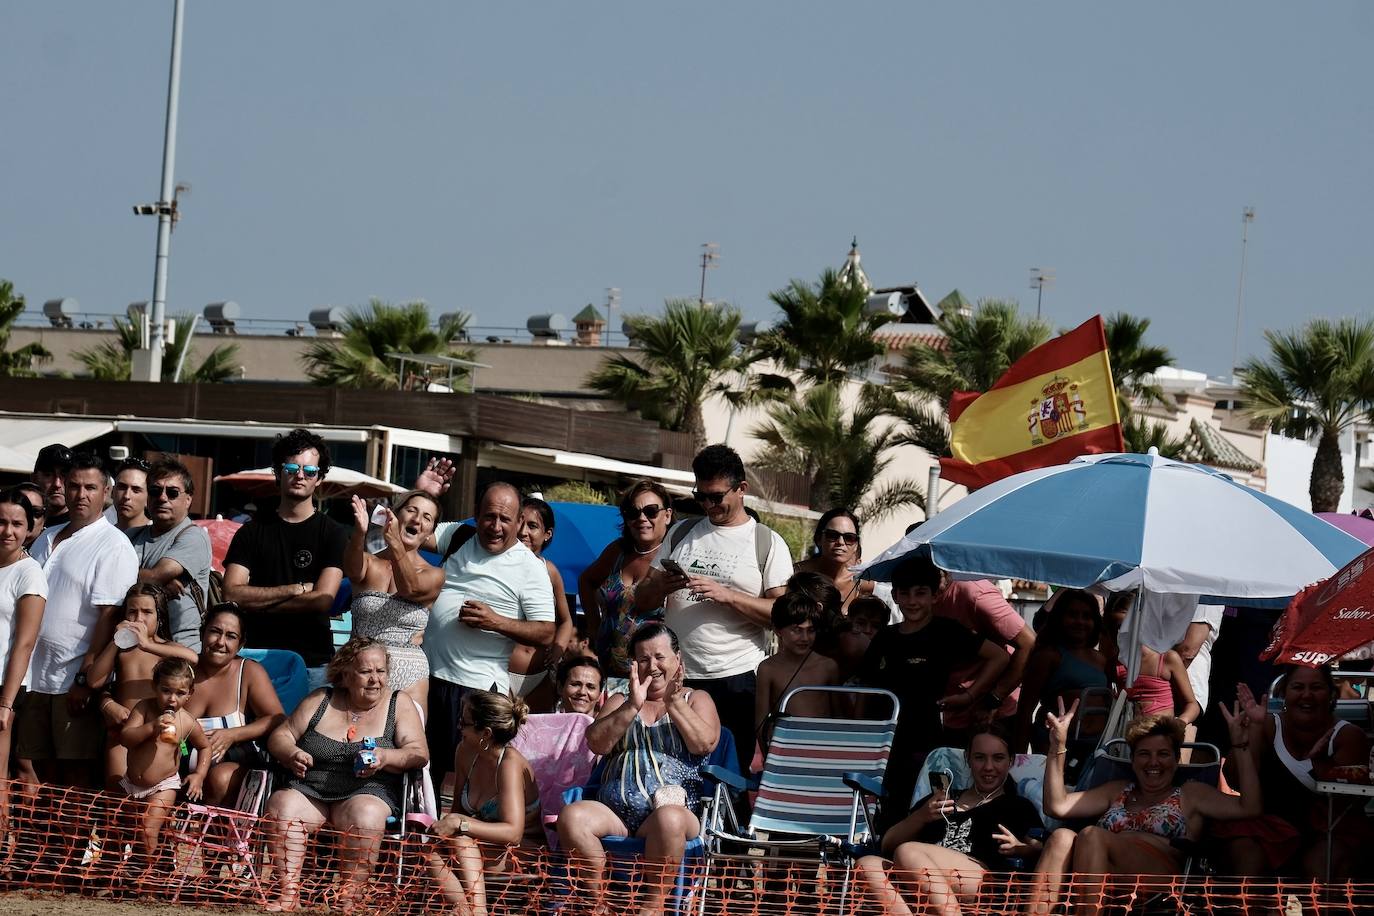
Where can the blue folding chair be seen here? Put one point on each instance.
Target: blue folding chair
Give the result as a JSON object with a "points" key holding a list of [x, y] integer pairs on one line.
{"points": [[288, 674]]}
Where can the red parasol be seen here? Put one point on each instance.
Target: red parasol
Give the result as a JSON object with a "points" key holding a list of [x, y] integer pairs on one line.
{"points": [[221, 532], [1326, 620]]}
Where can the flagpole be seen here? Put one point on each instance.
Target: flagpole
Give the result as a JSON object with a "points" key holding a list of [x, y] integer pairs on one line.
{"points": [[933, 492]]}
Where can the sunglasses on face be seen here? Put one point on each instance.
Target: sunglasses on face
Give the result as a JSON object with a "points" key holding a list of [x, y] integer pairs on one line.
{"points": [[849, 537], [306, 470], [649, 512], [157, 490], [713, 499]]}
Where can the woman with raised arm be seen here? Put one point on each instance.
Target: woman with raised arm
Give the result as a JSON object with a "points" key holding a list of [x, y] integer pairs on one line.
{"points": [[393, 589], [654, 740], [1300, 744], [1137, 818]]}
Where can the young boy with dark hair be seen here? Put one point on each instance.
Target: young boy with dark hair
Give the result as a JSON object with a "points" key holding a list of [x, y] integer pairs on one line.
{"points": [[797, 619], [914, 659], [867, 615]]}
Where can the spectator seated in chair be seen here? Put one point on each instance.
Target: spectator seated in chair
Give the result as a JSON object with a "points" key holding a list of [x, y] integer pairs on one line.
{"points": [[655, 740], [953, 836], [495, 801], [330, 781], [1137, 819]]}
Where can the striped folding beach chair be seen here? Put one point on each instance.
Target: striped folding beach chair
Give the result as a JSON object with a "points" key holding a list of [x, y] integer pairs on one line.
{"points": [[804, 809]]}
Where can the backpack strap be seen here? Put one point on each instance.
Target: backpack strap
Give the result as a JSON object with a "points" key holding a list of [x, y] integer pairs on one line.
{"points": [[680, 532], [763, 549], [455, 543], [763, 543]]}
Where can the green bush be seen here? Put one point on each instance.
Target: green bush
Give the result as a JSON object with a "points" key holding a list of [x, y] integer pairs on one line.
{"points": [[576, 491], [795, 531]]}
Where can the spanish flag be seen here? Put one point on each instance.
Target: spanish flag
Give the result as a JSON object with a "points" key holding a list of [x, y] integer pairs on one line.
{"points": [[1055, 403]]}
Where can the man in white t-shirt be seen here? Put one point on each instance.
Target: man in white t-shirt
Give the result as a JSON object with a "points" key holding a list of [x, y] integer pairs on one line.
{"points": [[496, 593], [716, 594], [89, 566]]}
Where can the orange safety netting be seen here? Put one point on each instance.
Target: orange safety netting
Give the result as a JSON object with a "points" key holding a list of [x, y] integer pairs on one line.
{"points": [[93, 845]]}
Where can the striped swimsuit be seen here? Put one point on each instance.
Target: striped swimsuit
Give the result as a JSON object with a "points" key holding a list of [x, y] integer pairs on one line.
{"points": [[646, 758]]}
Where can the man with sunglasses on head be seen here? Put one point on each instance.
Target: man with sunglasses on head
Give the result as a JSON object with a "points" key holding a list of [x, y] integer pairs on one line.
{"points": [[173, 551], [130, 494], [716, 579], [284, 568]]}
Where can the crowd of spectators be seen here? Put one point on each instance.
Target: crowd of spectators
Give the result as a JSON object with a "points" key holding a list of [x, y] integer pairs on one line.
{"points": [[119, 672]]}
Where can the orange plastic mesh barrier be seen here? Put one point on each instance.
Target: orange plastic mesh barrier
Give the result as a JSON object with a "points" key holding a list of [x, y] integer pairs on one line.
{"points": [[92, 845]]}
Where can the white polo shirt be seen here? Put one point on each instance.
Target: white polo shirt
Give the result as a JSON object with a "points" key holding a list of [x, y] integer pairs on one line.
{"points": [[95, 566], [514, 583]]}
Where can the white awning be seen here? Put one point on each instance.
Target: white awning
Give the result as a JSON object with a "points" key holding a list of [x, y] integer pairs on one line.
{"points": [[552, 457], [25, 437]]}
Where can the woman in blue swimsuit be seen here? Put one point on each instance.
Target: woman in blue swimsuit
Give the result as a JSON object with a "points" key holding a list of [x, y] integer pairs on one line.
{"points": [[495, 800], [654, 740]]}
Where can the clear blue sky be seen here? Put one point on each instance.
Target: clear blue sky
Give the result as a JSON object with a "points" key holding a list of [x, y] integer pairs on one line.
{"points": [[509, 159]]}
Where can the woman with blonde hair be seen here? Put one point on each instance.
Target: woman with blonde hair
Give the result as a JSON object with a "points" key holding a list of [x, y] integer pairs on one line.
{"points": [[495, 801]]}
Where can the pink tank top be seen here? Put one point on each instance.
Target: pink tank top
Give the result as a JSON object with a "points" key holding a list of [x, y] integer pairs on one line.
{"points": [[1151, 692]]}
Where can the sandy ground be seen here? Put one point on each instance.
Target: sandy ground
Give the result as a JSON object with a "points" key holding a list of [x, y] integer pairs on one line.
{"points": [[71, 905]]}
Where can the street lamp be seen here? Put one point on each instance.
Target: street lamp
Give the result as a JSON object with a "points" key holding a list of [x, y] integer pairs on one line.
{"points": [[165, 209], [1041, 277]]}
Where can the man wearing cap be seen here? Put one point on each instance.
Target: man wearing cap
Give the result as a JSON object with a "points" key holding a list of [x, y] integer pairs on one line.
{"points": [[174, 552], [49, 473], [284, 568], [90, 566]]}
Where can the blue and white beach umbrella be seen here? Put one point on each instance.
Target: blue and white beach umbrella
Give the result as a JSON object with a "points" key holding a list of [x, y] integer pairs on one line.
{"points": [[1132, 521]]}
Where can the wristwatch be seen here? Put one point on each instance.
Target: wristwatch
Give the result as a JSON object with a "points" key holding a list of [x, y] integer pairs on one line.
{"points": [[81, 680], [463, 826]]}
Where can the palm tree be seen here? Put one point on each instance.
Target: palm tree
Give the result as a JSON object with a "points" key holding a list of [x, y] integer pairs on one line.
{"points": [[843, 452], [359, 359], [1134, 362], [686, 356], [825, 334], [1318, 380], [1141, 435], [16, 363], [977, 350], [112, 360]]}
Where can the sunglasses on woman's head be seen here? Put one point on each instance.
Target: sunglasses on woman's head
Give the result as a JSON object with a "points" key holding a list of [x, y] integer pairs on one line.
{"points": [[308, 470], [849, 537], [650, 512]]}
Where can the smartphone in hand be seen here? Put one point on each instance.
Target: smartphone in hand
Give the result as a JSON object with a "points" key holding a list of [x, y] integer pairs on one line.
{"points": [[674, 568]]}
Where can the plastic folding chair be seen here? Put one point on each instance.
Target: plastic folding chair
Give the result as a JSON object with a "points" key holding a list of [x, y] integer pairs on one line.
{"points": [[808, 804], [555, 744], [287, 671], [232, 831]]}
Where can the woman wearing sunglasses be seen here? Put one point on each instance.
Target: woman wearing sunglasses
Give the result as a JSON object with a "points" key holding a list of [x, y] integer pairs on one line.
{"points": [[838, 548], [606, 589]]}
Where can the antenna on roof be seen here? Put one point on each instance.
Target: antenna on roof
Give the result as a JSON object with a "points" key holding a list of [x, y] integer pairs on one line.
{"points": [[710, 254]]}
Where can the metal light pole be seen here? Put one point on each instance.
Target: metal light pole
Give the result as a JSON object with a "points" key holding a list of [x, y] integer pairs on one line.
{"points": [[710, 254], [1247, 216], [1041, 277], [166, 205]]}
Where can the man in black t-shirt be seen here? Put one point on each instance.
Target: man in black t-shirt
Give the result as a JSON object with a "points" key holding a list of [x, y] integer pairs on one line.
{"points": [[284, 569], [914, 660]]}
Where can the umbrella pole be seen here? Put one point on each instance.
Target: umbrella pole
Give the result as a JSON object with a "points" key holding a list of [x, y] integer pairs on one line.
{"points": [[1131, 645]]}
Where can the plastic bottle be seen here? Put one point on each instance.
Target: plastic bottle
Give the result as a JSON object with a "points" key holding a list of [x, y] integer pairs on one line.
{"points": [[168, 735]]}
